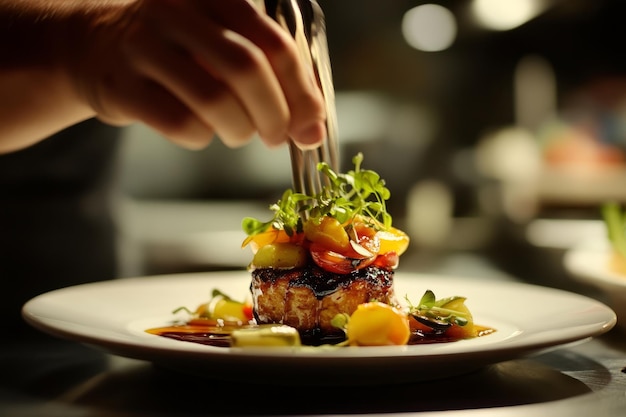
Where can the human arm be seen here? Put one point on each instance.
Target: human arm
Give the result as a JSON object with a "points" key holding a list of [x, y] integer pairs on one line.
{"points": [[189, 69]]}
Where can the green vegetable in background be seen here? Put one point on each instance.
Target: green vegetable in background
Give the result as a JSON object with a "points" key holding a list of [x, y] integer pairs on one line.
{"points": [[615, 221]]}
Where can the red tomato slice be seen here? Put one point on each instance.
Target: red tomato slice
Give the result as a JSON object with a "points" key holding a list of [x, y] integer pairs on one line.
{"points": [[339, 263], [363, 250], [248, 311], [389, 260]]}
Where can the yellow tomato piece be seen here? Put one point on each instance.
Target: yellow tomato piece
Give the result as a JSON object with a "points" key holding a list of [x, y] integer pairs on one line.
{"points": [[327, 232], [228, 310], [393, 240], [378, 324], [271, 236], [280, 255]]}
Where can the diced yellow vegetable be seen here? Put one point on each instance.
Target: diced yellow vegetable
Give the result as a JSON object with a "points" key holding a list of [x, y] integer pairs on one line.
{"points": [[280, 255], [271, 236], [393, 240], [266, 335], [228, 310], [458, 304], [378, 324], [328, 232]]}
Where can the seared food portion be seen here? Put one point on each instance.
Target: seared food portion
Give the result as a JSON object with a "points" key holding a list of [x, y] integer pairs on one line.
{"points": [[322, 255], [322, 273], [308, 298]]}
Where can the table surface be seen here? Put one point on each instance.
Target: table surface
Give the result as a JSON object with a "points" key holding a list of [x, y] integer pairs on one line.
{"points": [[45, 376]]}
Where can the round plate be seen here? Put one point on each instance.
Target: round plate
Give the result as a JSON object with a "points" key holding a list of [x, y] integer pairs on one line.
{"points": [[114, 315]]}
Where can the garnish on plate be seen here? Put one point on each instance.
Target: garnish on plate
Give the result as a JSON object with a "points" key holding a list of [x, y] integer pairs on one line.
{"points": [[343, 228], [372, 323], [324, 254], [324, 265]]}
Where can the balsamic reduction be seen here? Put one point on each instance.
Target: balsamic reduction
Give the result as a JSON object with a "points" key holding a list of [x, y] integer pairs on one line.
{"points": [[322, 282], [217, 337]]}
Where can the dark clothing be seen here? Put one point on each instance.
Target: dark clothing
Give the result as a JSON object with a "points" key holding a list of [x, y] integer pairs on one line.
{"points": [[56, 223]]}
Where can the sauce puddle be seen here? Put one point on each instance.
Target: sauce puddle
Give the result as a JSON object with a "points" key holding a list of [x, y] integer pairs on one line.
{"points": [[218, 333]]}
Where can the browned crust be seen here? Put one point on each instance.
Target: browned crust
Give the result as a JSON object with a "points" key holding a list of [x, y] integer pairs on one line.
{"points": [[308, 298]]}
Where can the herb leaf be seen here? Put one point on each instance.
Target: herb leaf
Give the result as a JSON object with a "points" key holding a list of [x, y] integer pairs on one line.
{"points": [[358, 192], [431, 309], [428, 299]]}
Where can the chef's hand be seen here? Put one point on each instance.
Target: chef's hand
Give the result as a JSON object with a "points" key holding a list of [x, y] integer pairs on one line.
{"points": [[191, 69]]}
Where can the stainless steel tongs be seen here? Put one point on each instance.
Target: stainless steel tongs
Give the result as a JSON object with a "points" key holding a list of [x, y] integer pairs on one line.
{"points": [[304, 20]]}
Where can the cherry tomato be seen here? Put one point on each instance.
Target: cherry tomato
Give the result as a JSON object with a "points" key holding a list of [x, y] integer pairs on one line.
{"points": [[328, 232], [393, 240], [358, 256], [339, 263], [388, 260], [271, 236], [247, 311], [365, 237], [378, 324], [361, 250]]}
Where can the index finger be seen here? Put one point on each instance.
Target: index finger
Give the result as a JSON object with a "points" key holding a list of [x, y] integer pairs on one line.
{"points": [[295, 75]]}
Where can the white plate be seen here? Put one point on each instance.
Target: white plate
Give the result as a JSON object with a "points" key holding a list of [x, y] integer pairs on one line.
{"points": [[113, 316], [589, 263]]}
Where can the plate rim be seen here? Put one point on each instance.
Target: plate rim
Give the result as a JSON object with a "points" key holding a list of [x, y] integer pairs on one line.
{"points": [[600, 249], [135, 349]]}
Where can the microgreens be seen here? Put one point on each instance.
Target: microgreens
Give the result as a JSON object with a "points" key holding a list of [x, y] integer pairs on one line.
{"points": [[432, 309], [359, 192], [216, 294]]}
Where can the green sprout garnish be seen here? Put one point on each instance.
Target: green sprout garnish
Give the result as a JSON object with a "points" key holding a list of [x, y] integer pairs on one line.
{"points": [[359, 192], [340, 321], [434, 311], [185, 309], [216, 295], [615, 222]]}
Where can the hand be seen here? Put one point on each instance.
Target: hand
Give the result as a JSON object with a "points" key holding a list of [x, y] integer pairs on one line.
{"points": [[198, 68]]}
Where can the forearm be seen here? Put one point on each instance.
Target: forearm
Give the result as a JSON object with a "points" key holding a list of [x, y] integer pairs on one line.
{"points": [[41, 40]]}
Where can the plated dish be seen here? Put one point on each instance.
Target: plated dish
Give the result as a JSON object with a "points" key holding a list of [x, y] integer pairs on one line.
{"points": [[113, 316], [591, 262]]}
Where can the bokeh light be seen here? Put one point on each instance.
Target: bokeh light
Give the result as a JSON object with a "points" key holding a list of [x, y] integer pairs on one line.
{"points": [[507, 14], [429, 27]]}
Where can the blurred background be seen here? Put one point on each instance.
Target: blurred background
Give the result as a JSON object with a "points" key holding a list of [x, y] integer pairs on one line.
{"points": [[498, 125]]}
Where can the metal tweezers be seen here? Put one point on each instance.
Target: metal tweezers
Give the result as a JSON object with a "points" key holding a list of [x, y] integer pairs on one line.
{"points": [[305, 21]]}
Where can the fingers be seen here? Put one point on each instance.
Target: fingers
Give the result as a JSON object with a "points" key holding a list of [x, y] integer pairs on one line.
{"points": [[179, 74], [149, 103], [170, 118], [258, 61], [197, 68], [303, 96], [233, 60]]}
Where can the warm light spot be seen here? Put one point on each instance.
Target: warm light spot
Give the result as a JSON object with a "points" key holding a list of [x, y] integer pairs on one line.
{"points": [[506, 15], [429, 27]]}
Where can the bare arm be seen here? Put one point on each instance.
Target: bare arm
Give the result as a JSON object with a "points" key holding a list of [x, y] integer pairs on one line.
{"points": [[37, 97], [189, 69]]}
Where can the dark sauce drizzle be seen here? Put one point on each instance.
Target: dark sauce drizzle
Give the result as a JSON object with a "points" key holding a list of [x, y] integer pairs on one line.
{"points": [[323, 283], [215, 336]]}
